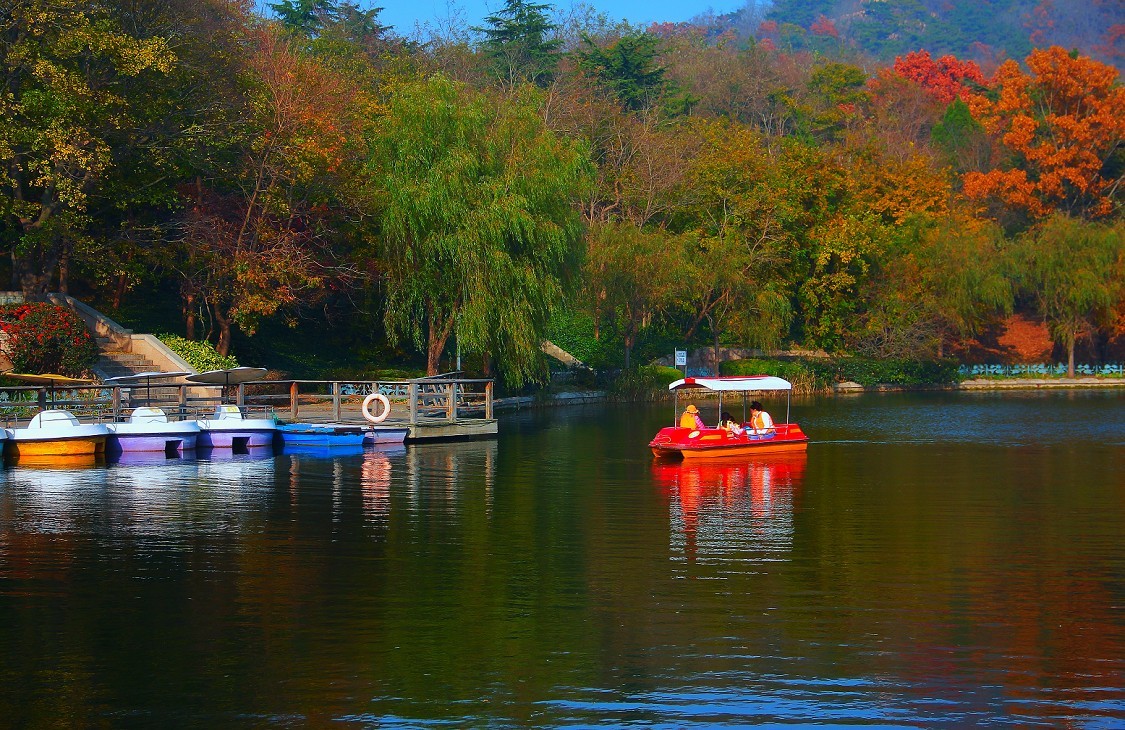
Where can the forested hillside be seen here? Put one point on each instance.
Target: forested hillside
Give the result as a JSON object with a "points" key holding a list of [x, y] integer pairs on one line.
{"points": [[985, 31], [305, 183]]}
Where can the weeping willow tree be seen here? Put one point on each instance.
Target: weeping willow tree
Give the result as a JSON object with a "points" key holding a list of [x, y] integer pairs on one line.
{"points": [[1072, 268], [480, 228]]}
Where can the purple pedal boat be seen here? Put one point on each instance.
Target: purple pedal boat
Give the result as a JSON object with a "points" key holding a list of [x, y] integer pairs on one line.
{"points": [[148, 429]]}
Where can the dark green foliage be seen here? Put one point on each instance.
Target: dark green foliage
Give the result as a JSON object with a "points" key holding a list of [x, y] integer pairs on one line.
{"points": [[310, 18], [518, 42], [641, 383], [960, 138], [46, 338], [627, 67], [808, 374]]}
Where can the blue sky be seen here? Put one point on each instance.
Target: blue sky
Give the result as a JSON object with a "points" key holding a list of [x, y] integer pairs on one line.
{"points": [[403, 15]]}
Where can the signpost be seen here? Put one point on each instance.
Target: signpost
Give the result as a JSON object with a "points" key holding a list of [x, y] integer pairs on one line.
{"points": [[681, 360]]}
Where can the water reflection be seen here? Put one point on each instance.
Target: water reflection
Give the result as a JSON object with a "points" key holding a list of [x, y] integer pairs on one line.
{"points": [[723, 508], [439, 473], [375, 483]]}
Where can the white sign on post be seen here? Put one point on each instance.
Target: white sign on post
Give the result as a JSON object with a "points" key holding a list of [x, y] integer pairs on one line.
{"points": [[681, 358]]}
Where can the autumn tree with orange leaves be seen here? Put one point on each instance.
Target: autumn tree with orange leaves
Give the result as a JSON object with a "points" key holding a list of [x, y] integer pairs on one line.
{"points": [[946, 78], [1058, 126], [259, 242]]}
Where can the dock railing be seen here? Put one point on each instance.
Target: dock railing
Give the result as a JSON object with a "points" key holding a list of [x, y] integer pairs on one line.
{"points": [[423, 400]]}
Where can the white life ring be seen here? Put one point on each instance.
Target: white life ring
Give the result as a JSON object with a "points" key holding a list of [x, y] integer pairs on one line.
{"points": [[386, 411]]}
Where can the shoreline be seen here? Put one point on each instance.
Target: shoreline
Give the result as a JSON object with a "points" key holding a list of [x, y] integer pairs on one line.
{"points": [[849, 388]]}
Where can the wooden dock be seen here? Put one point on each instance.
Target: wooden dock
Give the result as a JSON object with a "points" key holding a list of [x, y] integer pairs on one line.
{"points": [[431, 408]]}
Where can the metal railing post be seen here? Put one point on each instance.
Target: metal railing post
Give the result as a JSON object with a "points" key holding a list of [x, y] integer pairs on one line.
{"points": [[117, 403], [336, 401], [241, 398], [451, 409]]}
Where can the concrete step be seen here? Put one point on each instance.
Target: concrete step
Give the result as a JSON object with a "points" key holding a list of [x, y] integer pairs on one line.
{"points": [[127, 359]]}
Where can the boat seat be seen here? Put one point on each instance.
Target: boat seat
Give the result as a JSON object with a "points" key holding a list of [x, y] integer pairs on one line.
{"points": [[228, 413], [148, 415], [47, 418]]}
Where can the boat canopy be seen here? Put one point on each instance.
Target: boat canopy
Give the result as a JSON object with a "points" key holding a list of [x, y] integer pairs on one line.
{"points": [[734, 382]]}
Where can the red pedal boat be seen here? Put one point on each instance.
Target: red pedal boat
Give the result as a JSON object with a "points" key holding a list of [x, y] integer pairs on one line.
{"points": [[694, 443]]}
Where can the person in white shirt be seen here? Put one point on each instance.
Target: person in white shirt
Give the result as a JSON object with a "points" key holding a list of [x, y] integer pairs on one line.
{"points": [[760, 422]]}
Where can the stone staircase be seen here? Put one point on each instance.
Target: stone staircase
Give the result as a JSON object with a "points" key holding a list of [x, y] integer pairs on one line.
{"points": [[114, 362]]}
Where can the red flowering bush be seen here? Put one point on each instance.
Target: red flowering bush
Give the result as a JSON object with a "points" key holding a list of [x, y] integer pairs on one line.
{"points": [[45, 338]]}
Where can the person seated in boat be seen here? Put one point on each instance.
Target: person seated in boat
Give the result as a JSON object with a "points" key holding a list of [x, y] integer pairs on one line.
{"points": [[727, 424], [691, 418], [760, 422]]}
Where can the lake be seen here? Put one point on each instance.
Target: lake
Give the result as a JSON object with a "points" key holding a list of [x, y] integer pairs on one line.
{"points": [[934, 560]]}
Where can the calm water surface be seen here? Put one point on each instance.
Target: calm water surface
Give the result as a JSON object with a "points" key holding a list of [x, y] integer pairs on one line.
{"points": [[933, 561]]}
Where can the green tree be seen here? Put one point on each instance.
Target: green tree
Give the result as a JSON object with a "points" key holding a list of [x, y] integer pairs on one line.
{"points": [[627, 67], [1070, 266], [961, 139], [479, 221], [312, 17], [632, 278], [69, 110], [518, 42], [941, 279]]}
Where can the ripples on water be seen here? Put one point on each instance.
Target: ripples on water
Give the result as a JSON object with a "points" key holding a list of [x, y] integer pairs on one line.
{"points": [[933, 560]]}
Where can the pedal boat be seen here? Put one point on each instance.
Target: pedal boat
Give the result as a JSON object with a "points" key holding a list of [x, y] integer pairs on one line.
{"points": [[149, 430], [687, 443], [57, 433], [228, 429]]}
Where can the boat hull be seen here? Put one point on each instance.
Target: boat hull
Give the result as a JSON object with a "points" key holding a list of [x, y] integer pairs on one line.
{"points": [[321, 435], [126, 437], [236, 433], [387, 435], [713, 443], [57, 446]]}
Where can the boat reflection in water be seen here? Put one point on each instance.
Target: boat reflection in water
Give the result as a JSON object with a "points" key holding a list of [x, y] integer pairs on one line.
{"points": [[725, 509]]}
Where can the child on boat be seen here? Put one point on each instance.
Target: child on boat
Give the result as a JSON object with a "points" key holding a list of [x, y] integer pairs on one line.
{"points": [[727, 423], [691, 418]]}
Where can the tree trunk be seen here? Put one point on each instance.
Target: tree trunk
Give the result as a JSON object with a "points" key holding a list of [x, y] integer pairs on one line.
{"points": [[715, 332], [221, 318], [35, 269], [628, 348], [438, 336], [189, 315], [486, 364], [64, 273], [1070, 355], [119, 290]]}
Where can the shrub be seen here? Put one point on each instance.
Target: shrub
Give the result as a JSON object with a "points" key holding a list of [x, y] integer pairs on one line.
{"points": [[644, 381], [200, 355], [818, 374], [804, 378], [47, 338]]}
